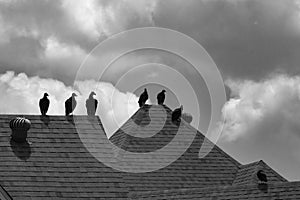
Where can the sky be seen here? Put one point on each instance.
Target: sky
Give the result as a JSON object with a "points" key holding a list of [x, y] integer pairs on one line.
{"points": [[255, 45]]}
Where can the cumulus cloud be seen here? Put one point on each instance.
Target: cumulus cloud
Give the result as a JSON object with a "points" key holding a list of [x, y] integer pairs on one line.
{"points": [[260, 36], [271, 106], [51, 38], [262, 121], [20, 95]]}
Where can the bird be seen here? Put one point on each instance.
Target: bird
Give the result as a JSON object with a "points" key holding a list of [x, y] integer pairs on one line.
{"points": [[262, 176], [44, 104], [70, 104], [161, 97], [176, 114], [91, 104], [143, 98]]}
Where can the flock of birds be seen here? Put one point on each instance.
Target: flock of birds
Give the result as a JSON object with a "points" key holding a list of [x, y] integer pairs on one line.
{"points": [[92, 103]]}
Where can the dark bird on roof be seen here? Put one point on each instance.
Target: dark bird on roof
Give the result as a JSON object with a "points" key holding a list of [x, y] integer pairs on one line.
{"points": [[161, 97], [91, 104], [70, 104], [143, 98], [176, 114], [261, 175], [44, 104]]}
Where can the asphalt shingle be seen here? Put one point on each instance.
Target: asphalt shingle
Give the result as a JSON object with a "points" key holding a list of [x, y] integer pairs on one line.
{"points": [[55, 164], [275, 191], [188, 171]]}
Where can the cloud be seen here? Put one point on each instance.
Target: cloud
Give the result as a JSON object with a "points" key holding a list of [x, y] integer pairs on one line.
{"points": [[271, 106], [262, 122], [247, 39], [51, 38], [20, 95]]}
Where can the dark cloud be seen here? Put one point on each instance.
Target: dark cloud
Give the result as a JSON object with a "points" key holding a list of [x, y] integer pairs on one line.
{"points": [[30, 28], [247, 39]]}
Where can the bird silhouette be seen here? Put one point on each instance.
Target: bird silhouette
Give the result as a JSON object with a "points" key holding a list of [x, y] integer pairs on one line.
{"points": [[91, 104], [143, 98], [176, 114], [161, 97], [44, 104], [70, 104], [262, 176]]}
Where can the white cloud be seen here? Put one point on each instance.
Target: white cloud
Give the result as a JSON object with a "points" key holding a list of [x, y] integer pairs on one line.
{"points": [[56, 50], [267, 107], [20, 95], [87, 15]]}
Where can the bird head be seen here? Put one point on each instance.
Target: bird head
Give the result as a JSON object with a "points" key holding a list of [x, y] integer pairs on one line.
{"points": [[74, 95], [92, 93], [163, 91], [46, 94]]}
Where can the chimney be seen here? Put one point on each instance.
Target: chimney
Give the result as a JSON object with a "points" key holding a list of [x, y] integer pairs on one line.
{"points": [[19, 127]]}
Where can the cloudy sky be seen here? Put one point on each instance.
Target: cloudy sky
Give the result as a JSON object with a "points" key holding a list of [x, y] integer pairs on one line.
{"points": [[254, 43]]}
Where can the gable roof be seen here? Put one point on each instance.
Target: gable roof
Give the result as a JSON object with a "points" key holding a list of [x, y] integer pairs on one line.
{"points": [[189, 171], [246, 172], [55, 164]]}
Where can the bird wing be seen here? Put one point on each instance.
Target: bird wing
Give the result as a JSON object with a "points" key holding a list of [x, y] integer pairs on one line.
{"points": [[68, 106], [44, 104], [47, 103]]}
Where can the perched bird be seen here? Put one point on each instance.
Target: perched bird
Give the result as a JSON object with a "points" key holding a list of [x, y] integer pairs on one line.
{"points": [[262, 176], [143, 98], [91, 104], [44, 104], [161, 97], [70, 104], [176, 114]]}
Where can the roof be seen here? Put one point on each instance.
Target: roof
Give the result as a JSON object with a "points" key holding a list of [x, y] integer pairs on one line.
{"points": [[55, 164], [189, 171], [275, 191], [246, 172], [4, 195]]}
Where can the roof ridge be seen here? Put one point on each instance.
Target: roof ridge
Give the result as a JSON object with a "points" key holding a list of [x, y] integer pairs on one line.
{"points": [[274, 171], [217, 147], [188, 125]]}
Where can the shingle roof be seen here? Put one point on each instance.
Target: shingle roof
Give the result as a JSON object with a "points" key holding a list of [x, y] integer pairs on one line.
{"points": [[275, 191], [55, 165], [246, 172], [4, 195], [189, 171]]}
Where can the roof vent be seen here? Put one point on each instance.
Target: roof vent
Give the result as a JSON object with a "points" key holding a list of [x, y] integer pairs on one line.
{"points": [[187, 117], [19, 127]]}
